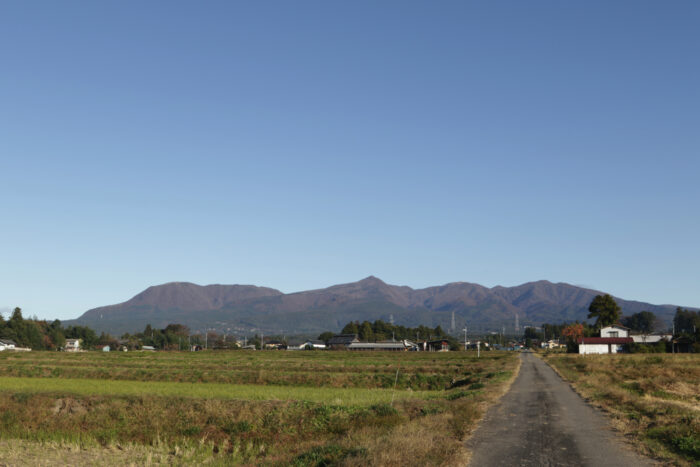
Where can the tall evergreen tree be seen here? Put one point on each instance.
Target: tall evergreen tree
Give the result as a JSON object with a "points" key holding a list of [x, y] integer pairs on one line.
{"points": [[605, 310]]}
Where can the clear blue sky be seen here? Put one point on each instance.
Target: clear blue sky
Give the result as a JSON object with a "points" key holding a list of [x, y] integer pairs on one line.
{"points": [[301, 144]]}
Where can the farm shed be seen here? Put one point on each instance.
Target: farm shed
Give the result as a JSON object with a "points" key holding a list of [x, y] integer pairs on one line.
{"points": [[400, 346], [603, 345], [7, 344], [313, 345], [342, 341], [275, 345], [439, 345], [651, 338]]}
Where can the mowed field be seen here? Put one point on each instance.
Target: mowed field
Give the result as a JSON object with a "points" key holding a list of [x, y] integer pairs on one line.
{"points": [[652, 398], [243, 407]]}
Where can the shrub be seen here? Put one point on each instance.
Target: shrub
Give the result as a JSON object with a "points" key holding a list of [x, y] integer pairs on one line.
{"points": [[327, 455], [384, 410], [233, 428], [678, 438], [463, 419]]}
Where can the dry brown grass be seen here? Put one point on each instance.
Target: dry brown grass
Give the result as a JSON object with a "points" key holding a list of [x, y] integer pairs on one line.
{"points": [[15, 452], [653, 399], [150, 429]]}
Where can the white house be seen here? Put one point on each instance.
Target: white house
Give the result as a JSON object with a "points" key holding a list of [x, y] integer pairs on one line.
{"points": [[602, 345], [616, 330], [7, 344], [651, 338], [612, 340], [552, 344], [72, 345]]}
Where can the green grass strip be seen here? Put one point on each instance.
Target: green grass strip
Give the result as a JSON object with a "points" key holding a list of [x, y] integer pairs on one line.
{"points": [[89, 387]]}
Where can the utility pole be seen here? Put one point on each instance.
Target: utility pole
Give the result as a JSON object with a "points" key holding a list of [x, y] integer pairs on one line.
{"points": [[465, 337], [673, 345]]}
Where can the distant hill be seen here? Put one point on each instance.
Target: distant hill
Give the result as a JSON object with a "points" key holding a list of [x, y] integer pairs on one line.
{"points": [[247, 309]]}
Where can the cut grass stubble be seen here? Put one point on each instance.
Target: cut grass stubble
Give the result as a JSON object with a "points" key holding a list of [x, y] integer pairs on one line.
{"points": [[90, 387], [184, 409]]}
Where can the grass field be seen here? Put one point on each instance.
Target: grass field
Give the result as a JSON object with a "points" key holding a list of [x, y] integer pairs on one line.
{"points": [[653, 398], [273, 408]]}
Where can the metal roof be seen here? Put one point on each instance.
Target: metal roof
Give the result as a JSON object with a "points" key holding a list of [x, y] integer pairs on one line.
{"points": [[377, 345], [343, 339], [606, 340]]}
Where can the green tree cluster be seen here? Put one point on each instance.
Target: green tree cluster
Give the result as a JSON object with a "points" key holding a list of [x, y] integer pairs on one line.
{"points": [[556, 331], [88, 337], [172, 337], [644, 322], [687, 323], [33, 333], [381, 330], [605, 310]]}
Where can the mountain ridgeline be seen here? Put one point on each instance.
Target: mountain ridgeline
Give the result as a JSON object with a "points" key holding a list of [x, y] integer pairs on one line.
{"points": [[247, 308]]}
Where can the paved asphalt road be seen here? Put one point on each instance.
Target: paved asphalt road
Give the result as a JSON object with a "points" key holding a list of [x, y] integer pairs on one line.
{"points": [[541, 421]]}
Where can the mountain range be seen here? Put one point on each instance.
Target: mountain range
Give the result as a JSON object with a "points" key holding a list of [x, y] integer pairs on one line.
{"points": [[247, 309]]}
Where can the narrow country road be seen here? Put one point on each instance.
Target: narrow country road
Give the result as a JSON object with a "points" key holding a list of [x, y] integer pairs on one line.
{"points": [[541, 421]]}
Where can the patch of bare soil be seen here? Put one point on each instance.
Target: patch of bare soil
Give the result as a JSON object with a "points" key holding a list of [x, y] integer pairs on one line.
{"points": [[68, 406]]}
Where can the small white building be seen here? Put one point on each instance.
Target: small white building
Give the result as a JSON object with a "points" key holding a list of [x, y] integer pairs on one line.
{"points": [[616, 330], [7, 344], [312, 344], [602, 345], [552, 344], [651, 338], [72, 345], [612, 340], [401, 346]]}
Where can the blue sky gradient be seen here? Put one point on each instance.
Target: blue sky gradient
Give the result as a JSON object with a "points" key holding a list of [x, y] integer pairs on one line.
{"points": [[301, 144]]}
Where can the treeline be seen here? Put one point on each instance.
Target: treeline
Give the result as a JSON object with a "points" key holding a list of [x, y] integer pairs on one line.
{"points": [[644, 322], [51, 335], [172, 337], [685, 331], [380, 330], [686, 323], [43, 335], [557, 331]]}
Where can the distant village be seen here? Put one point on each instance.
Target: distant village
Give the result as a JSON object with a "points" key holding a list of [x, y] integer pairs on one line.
{"points": [[611, 334]]}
